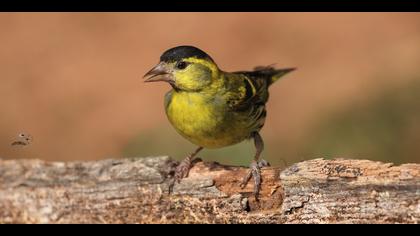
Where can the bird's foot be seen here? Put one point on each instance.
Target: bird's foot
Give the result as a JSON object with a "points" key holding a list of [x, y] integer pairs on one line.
{"points": [[255, 172], [183, 169]]}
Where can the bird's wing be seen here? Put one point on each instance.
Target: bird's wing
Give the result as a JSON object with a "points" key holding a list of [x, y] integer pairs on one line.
{"points": [[251, 87], [248, 92], [255, 84], [247, 96]]}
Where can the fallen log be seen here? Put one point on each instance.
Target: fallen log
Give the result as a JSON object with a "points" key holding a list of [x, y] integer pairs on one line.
{"points": [[138, 190]]}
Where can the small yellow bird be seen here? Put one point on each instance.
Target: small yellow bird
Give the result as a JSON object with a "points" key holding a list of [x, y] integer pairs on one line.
{"points": [[213, 108]]}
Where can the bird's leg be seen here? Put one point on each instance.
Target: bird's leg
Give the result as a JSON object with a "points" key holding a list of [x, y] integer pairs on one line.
{"points": [[184, 167], [255, 166]]}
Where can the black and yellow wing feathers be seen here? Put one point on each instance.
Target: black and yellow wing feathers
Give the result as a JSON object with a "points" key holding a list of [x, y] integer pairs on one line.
{"points": [[252, 86], [250, 92]]}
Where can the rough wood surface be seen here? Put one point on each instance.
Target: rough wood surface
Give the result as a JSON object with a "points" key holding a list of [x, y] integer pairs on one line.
{"points": [[136, 190]]}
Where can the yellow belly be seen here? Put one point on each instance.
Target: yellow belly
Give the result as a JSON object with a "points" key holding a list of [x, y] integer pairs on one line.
{"points": [[205, 121]]}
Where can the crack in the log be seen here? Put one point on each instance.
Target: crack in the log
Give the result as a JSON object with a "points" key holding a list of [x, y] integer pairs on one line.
{"points": [[61, 215], [291, 210], [339, 170]]}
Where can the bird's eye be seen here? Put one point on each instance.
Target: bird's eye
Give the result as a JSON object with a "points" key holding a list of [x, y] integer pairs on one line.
{"points": [[181, 65]]}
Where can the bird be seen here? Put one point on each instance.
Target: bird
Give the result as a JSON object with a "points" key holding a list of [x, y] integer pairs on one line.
{"points": [[213, 108], [23, 139]]}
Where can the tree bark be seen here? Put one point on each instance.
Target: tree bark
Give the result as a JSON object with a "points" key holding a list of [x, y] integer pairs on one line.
{"points": [[141, 190]]}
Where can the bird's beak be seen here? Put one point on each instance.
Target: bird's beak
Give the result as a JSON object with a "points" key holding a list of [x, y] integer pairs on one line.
{"points": [[159, 73]]}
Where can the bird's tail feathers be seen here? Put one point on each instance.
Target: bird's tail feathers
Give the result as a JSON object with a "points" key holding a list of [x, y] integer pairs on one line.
{"points": [[279, 73], [272, 73]]}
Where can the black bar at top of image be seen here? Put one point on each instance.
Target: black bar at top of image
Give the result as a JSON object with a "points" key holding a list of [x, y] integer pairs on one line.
{"points": [[211, 5]]}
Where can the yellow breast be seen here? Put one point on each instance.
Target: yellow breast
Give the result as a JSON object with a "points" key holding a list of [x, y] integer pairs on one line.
{"points": [[203, 120]]}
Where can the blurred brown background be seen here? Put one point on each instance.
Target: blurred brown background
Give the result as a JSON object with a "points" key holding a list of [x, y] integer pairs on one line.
{"points": [[73, 81]]}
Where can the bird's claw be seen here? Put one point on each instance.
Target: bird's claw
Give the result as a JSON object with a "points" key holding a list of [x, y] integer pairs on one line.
{"points": [[255, 172], [182, 169], [263, 163]]}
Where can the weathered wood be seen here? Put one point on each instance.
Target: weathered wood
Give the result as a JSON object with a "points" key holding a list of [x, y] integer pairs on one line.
{"points": [[136, 190]]}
